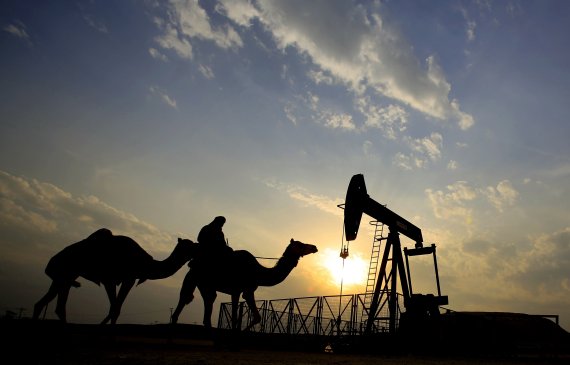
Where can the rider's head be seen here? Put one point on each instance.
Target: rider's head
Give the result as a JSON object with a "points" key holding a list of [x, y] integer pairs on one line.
{"points": [[219, 221]]}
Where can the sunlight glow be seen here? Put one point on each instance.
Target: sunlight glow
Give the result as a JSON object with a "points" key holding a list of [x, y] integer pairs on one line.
{"points": [[354, 273]]}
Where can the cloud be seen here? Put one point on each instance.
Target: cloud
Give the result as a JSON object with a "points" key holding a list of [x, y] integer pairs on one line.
{"points": [[289, 110], [321, 115], [156, 54], [300, 194], [514, 9], [344, 41], [367, 147], [537, 271], [465, 121], [452, 165], [17, 29], [560, 171], [391, 120], [543, 271], [341, 121], [451, 204], [188, 21], [38, 219], [424, 151], [171, 39], [320, 77], [206, 71], [470, 25], [427, 146], [29, 206], [95, 24], [504, 194], [404, 162], [163, 96]]}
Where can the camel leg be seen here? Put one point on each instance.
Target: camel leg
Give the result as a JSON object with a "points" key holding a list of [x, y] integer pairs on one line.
{"points": [[250, 300], [112, 295], [126, 287], [62, 294], [209, 298], [50, 295], [235, 303], [186, 295]]}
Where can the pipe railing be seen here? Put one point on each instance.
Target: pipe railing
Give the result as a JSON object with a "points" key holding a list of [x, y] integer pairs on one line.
{"points": [[335, 315]]}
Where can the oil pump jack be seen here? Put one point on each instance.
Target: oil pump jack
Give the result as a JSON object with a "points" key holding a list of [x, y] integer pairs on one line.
{"points": [[419, 307]]}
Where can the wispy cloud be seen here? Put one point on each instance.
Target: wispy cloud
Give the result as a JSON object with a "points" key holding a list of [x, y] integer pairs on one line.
{"points": [[96, 24], [504, 194], [338, 120], [17, 29], [424, 151], [452, 165], [470, 25], [289, 110], [186, 21], [545, 268], [157, 54], [171, 39], [29, 206], [320, 77], [206, 71], [453, 202], [391, 120], [324, 116], [535, 271], [346, 43], [155, 90], [324, 203]]}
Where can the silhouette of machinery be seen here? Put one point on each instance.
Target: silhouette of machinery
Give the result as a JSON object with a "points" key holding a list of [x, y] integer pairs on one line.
{"points": [[419, 307]]}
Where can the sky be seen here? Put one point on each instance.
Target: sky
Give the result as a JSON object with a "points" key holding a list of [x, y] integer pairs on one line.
{"points": [[152, 117]]}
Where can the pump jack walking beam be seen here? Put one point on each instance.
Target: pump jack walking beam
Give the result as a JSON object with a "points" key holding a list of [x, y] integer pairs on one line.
{"points": [[358, 201]]}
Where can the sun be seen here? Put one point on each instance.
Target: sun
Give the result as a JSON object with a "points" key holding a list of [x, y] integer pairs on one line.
{"points": [[354, 272]]}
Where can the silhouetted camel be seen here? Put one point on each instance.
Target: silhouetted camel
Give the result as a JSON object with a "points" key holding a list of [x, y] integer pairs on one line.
{"points": [[109, 260], [240, 274]]}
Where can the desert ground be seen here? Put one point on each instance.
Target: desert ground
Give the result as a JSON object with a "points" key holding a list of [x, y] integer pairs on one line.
{"points": [[53, 343]]}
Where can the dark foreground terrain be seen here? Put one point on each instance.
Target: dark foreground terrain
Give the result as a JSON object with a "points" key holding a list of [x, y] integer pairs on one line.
{"points": [[50, 342]]}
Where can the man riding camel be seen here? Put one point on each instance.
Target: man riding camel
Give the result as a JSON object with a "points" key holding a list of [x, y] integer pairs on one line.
{"points": [[214, 250]]}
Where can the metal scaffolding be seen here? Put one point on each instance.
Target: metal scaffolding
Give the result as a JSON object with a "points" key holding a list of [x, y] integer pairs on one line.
{"points": [[337, 315]]}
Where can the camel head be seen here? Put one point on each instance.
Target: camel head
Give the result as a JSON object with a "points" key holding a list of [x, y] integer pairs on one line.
{"points": [[186, 248], [299, 249]]}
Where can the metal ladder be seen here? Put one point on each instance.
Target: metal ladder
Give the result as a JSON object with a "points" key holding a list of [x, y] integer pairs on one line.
{"points": [[373, 268]]}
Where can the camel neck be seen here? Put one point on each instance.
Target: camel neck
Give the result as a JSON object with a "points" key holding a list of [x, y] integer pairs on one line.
{"points": [[167, 267], [279, 272]]}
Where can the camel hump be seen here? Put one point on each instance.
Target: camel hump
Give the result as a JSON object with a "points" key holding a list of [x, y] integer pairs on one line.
{"points": [[126, 248], [101, 233], [243, 257]]}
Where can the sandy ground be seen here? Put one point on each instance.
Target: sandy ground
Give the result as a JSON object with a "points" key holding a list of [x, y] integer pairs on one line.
{"points": [[127, 352], [62, 345]]}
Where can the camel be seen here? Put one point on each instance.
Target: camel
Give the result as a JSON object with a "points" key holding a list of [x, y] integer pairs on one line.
{"points": [[104, 258], [239, 274]]}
